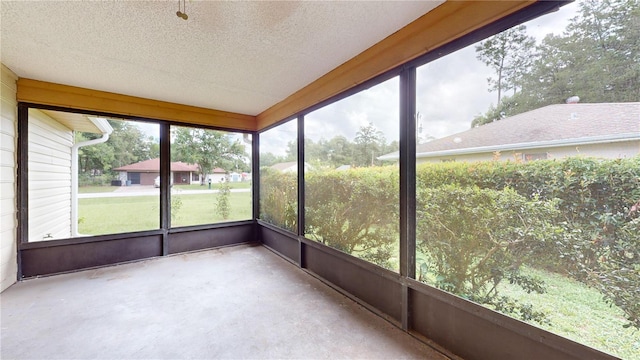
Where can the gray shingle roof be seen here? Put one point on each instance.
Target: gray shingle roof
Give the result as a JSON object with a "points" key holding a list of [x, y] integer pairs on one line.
{"points": [[553, 124]]}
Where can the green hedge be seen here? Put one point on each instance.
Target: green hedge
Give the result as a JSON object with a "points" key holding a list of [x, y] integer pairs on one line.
{"points": [[355, 211], [598, 239], [478, 222], [279, 198]]}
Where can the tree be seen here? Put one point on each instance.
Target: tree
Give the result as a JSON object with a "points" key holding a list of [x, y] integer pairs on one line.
{"points": [[340, 151], [507, 54], [597, 58], [510, 105], [369, 142], [127, 144], [331, 154], [268, 159], [208, 149], [95, 159], [604, 39]]}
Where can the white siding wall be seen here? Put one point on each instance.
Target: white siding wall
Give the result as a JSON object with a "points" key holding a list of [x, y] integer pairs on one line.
{"points": [[616, 150], [624, 149], [216, 178], [8, 160], [49, 178]]}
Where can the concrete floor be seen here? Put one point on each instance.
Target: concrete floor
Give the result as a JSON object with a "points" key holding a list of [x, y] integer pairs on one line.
{"points": [[231, 303]]}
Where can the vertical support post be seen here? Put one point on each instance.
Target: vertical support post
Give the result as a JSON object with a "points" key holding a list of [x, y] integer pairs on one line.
{"points": [[165, 185], [301, 226], [407, 187], [255, 183], [22, 184], [255, 175]]}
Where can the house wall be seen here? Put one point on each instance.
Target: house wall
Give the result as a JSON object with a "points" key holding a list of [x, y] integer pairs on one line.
{"points": [[8, 160], [49, 178], [181, 177], [148, 178], [610, 151], [216, 178], [615, 150]]}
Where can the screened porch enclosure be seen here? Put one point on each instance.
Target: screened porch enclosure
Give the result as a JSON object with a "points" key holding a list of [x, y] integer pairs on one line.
{"points": [[366, 216]]}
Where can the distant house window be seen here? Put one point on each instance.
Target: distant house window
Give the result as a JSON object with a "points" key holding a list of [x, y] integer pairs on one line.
{"points": [[535, 156], [195, 177]]}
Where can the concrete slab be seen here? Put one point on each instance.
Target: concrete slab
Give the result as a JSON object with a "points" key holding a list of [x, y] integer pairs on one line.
{"points": [[233, 303]]}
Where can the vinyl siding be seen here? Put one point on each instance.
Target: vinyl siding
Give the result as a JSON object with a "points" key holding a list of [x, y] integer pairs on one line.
{"points": [[616, 150], [8, 219], [49, 178]]}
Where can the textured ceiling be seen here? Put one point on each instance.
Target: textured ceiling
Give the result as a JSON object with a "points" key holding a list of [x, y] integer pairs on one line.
{"points": [[235, 56]]}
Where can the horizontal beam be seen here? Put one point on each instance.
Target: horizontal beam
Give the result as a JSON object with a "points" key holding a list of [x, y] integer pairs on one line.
{"points": [[51, 94], [445, 23]]}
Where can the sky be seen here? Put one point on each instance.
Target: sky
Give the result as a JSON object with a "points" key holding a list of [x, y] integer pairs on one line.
{"points": [[451, 91]]}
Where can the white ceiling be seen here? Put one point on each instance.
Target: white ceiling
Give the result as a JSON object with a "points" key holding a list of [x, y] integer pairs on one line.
{"points": [[235, 56]]}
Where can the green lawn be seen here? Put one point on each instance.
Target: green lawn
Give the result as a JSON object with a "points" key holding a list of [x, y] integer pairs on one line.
{"points": [[574, 311], [107, 188], [579, 313], [98, 216], [197, 209], [214, 186]]}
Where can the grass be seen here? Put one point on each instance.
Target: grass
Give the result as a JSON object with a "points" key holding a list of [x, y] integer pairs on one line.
{"points": [[579, 313], [574, 310], [98, 216], [197, 209], [215, 186], [107, 188]]}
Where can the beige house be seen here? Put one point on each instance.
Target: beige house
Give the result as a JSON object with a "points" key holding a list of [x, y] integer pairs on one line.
{"points": [[53, 170], [606, 130]]}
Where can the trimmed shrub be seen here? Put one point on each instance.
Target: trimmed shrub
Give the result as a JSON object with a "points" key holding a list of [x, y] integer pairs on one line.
{"points": [[355, 211], [279, 198], [478, 222], [474, 238]]}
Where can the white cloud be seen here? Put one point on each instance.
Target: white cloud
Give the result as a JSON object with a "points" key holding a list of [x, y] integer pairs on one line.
{"points": [[378, 105], [451, 91]]}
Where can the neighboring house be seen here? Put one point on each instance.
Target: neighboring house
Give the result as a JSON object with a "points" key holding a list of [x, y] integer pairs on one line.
{"points": [[235, 177], [218, 175], [145, 172], [291, 166], [239, 176], [606, 130], [53, 170]]}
